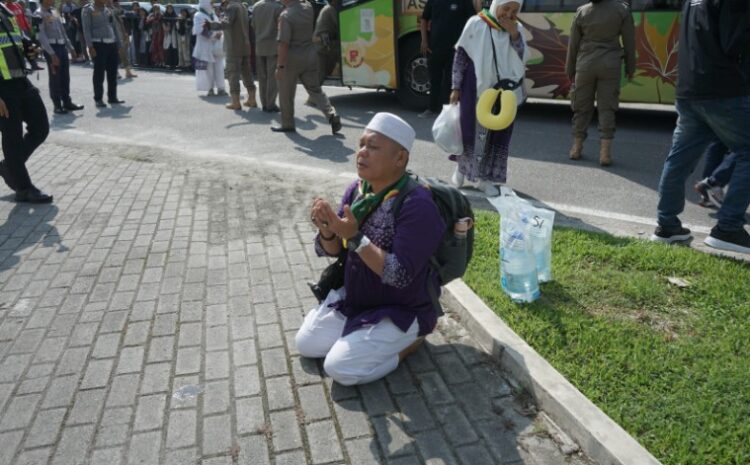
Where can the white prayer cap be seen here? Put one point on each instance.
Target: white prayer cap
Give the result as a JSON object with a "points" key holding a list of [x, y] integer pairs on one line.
{"points": [[394, 128]]}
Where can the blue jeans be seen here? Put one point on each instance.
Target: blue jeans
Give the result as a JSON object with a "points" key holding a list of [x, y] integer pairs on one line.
{"points": [[719, 164], [699, 123]]}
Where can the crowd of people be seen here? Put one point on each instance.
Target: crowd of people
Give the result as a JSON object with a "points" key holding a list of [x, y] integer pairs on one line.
{"points": [[150, 38]]}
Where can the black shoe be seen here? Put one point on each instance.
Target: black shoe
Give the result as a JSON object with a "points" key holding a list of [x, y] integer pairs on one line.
{"points": [[335, 121], [669, 236], [5, 174], [60, 111], [282, 129], [115, 101], [274, 109], [33, 195], [100, 104], [70, 106], [734, 241]]}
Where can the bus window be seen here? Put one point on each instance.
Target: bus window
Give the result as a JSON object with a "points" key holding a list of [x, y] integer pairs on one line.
{"points": [[559, 6], [655, 5]]}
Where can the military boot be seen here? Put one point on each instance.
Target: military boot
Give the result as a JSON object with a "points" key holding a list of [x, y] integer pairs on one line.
{"points": [[235, 103], [576, 151], [250, 102], [605, 152]]}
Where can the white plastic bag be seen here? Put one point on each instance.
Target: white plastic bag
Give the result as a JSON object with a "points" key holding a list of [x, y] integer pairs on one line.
{"points": [[518, 272], [447, 130]]}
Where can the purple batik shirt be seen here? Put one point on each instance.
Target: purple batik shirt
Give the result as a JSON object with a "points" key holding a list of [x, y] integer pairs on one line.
{"points": [[409, 241]]}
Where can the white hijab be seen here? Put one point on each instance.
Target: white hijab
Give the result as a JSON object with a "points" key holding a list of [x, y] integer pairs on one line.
{"points": [[200, 17], [475, 40]]}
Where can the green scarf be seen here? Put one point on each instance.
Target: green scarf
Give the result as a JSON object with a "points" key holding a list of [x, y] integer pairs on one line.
{"points": [[367, 201], [486, 16]]}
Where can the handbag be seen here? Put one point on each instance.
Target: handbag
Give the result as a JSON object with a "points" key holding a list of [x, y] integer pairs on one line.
{"points": [[331, 278]]}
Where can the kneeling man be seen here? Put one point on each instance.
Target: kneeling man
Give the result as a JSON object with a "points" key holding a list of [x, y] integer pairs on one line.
{"points": [[384, 309]]}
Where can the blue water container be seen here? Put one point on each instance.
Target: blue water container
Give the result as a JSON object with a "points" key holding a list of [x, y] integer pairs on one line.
{"points": [[518, 268]]}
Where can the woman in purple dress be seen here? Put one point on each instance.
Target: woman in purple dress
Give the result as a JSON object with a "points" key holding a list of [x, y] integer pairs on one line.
{"points": [[384, 309], [494, 30]]}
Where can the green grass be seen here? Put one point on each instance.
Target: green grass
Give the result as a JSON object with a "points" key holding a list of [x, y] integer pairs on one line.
{"points": [[671, 365]]}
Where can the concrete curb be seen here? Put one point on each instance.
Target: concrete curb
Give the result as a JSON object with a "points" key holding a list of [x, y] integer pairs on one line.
{"points": [[599, 437]]}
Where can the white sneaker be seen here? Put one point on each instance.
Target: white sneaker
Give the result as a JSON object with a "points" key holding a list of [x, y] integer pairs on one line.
{"points": [[489, 189], [427, 114], [458, 177]]}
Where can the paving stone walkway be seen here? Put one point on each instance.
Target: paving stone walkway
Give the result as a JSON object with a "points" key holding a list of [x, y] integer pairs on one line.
{"points": [[148, 317]]}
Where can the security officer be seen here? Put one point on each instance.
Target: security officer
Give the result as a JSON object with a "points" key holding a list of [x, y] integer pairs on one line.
{"points": [[298, 59], [56, 45], [265, 24], [446, 20], [236, 25], [103, 44], [594, 65], [20, 103]]}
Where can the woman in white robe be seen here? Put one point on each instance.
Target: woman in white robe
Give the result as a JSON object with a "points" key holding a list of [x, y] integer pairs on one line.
{"points": [[209, 51]]}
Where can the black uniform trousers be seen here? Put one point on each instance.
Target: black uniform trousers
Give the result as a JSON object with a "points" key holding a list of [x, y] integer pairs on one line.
{"points": [[106, 61], [440, 65], [25, 106], [59, 82]]}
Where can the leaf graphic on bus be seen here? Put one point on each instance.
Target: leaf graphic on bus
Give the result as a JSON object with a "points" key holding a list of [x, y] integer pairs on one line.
{"points": [[657, 53], [553, 46]]}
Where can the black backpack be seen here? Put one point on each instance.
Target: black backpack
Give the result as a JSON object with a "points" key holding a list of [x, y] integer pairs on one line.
{"points": [[452, 256]]}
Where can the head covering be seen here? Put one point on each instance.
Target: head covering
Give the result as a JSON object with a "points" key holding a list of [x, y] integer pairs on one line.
{"points": [[477, 39], [393, 128], [497, 3], [206, 5]]}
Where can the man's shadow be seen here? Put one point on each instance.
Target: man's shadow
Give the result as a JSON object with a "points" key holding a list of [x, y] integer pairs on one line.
{"points": [[114, 112], [26, 225], [65, 121], [442, 398]]}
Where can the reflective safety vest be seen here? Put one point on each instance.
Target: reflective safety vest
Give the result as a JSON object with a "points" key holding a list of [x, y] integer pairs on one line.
{"points": [[11, 47]]}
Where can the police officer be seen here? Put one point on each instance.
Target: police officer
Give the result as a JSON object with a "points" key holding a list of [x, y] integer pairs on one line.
{"points": [[593, 64], [124, 33], [20, 103], [265, 24], [103, 45], [236, 27], [298, 59], [56, 45], [327, 38]]}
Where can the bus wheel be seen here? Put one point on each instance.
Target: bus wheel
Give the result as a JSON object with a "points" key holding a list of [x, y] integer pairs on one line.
{"points": [[414, 77]]}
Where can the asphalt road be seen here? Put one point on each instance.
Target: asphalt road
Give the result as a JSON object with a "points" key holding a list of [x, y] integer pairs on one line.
{"points": [[164, 110]]}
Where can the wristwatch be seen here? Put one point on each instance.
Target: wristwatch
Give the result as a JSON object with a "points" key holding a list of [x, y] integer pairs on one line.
{"points": [[358, 242]]}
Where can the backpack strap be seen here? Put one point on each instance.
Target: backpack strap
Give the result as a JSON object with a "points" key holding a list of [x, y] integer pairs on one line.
{"points": [[411, 185]]}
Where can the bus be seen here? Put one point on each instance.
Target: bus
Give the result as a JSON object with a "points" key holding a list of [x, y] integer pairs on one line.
{"points": [[380, 49]]}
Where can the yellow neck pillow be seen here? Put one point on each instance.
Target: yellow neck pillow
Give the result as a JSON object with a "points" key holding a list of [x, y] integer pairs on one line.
{"points": [[496, 108]]}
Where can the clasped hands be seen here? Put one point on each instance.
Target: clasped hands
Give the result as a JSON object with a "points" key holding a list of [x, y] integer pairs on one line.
{"points": [[330, 224]]}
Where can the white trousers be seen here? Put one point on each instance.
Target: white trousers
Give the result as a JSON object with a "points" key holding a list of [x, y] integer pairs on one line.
{"points": [[212, 76], [360, 357]]}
